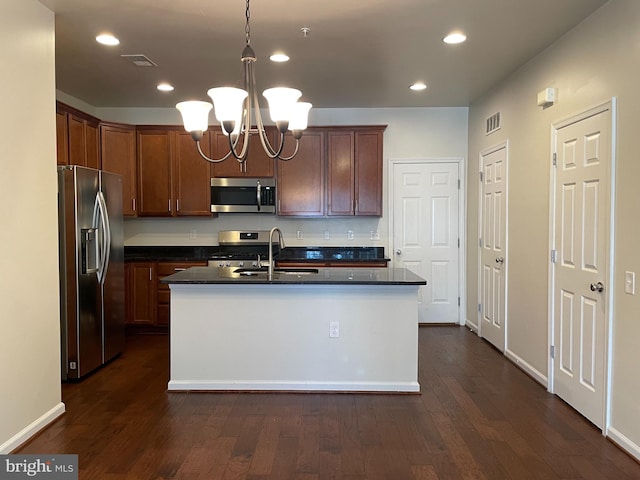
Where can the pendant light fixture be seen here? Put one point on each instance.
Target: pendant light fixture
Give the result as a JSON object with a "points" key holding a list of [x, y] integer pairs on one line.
{"points": [[235, 109]]}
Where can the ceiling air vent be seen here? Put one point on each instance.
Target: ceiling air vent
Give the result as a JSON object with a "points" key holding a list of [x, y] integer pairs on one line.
{"points": [[139, 60], [493, 123]]}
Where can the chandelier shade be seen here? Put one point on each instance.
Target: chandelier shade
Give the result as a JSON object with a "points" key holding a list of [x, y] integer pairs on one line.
{"points": [[195, 115], [236, 109]]}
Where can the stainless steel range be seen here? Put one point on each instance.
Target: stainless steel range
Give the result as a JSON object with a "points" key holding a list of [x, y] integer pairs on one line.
{"points": [[241, 248]]}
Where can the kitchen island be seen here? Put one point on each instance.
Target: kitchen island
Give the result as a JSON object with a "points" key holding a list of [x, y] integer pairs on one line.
{"points": [[339, 329]]}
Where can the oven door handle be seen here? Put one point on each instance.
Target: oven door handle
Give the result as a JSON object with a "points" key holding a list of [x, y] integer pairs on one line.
{"points": [[259, 194]]}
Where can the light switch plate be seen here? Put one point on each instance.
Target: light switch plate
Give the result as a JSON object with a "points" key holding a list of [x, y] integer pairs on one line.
{"points": [[630, 283]]}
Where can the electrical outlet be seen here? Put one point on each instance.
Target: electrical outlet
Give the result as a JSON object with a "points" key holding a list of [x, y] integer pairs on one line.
{"points": [[375, 235], [299, 234], [193, 234], [327, 236], [334, 329], [350, 235]]}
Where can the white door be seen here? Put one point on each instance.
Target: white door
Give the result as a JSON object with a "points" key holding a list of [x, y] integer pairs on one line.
{"points": [[425, 234], [493, 245], [580, 283]]}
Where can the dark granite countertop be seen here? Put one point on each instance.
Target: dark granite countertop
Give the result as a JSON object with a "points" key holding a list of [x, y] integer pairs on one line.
{"points": [[325, 276], [169, 253], [332, 254]]}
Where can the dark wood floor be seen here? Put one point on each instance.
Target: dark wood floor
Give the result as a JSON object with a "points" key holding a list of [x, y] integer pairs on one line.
{"points": [[478, 417]]}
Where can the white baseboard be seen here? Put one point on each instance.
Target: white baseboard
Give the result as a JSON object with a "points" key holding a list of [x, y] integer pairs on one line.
{"points": [[623, 442], [471, 326], [532, 372], [196, 385], [30, 430]]}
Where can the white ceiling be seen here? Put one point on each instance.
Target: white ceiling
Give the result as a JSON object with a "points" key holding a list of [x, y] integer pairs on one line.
{"points": [[360, 53]]}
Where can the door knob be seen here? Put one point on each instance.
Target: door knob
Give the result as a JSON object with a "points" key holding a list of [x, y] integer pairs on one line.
{"points": [[597, 287], [500, 260], [398, 252]]}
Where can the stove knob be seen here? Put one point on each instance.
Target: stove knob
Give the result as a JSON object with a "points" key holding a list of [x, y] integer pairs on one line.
{"points": [[241, 264], [254, 264], [221, 264], [228, 264]]}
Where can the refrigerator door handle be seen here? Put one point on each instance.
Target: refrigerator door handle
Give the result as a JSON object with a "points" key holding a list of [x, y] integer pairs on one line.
{"points": [[101, 223]]}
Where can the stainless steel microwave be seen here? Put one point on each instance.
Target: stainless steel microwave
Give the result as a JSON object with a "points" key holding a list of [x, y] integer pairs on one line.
{"points": [[243, 195]]}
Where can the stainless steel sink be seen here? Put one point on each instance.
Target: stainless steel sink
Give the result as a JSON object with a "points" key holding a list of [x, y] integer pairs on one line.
{"points": [[283, 271]]}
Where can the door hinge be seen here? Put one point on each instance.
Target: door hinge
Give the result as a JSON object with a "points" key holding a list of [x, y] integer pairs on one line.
{"points": [[481, 176], [552, 351], [458, 301], [480, 243], [458, 184], [554, 256], [458, 243], [555, 159], [479, 308]]}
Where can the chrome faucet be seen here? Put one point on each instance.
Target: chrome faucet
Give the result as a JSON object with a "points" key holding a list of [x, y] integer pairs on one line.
{"points": [[280, 244]]}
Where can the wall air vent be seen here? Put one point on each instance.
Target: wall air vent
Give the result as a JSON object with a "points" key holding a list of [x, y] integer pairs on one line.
{"points": [[139, 60], [494, 122]]}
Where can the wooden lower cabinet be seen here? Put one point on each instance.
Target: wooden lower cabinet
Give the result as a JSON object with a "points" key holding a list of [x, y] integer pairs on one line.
{"points": [[148, 300], [140, 293], [165, 269]]}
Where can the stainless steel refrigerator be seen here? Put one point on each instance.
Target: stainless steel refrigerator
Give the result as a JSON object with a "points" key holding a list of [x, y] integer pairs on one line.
{"points": [[91, 242]]}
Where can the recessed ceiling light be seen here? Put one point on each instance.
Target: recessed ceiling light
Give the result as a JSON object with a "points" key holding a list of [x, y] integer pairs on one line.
{"points": [[418, 86], [107, 39], [279, 57], [165, 87], [454, 38]]}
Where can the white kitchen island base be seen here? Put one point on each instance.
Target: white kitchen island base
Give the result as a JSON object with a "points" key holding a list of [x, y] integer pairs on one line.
{"points": [[277, 337]]}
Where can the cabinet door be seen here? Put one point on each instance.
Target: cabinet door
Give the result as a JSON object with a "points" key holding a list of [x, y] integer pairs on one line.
{"points": [[118, 152], [368, 172], [191, 176], [76, 139], [301, 181], [142, 293], [340, 170], [154, 173], [92, 145], [258, 164], [62, 139]]}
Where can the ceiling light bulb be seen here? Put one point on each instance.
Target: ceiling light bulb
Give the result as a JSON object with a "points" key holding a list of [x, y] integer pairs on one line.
{"points": [[279, 57], [454, 38], [418, 86], [165, 87], [107, 39]]}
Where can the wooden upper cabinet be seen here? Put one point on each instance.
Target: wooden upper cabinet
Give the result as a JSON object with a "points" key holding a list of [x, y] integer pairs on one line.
{"points": [[340, 173], [258, 163], [368, 172], [62, 138], [118, 154], [301, 181], [354, 166], [154, 172], [77, 137], [173, 180], [191, 175]]}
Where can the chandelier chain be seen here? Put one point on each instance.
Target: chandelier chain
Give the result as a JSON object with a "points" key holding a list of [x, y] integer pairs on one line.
{"points": [[247, 28]]}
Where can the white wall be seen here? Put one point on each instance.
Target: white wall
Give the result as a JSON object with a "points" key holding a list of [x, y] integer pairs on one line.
{"points": [[411, 133], [29, 305], [594, 62]]}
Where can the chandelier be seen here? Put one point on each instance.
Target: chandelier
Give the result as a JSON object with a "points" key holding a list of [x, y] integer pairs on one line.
{"points": [[233, 108]]}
